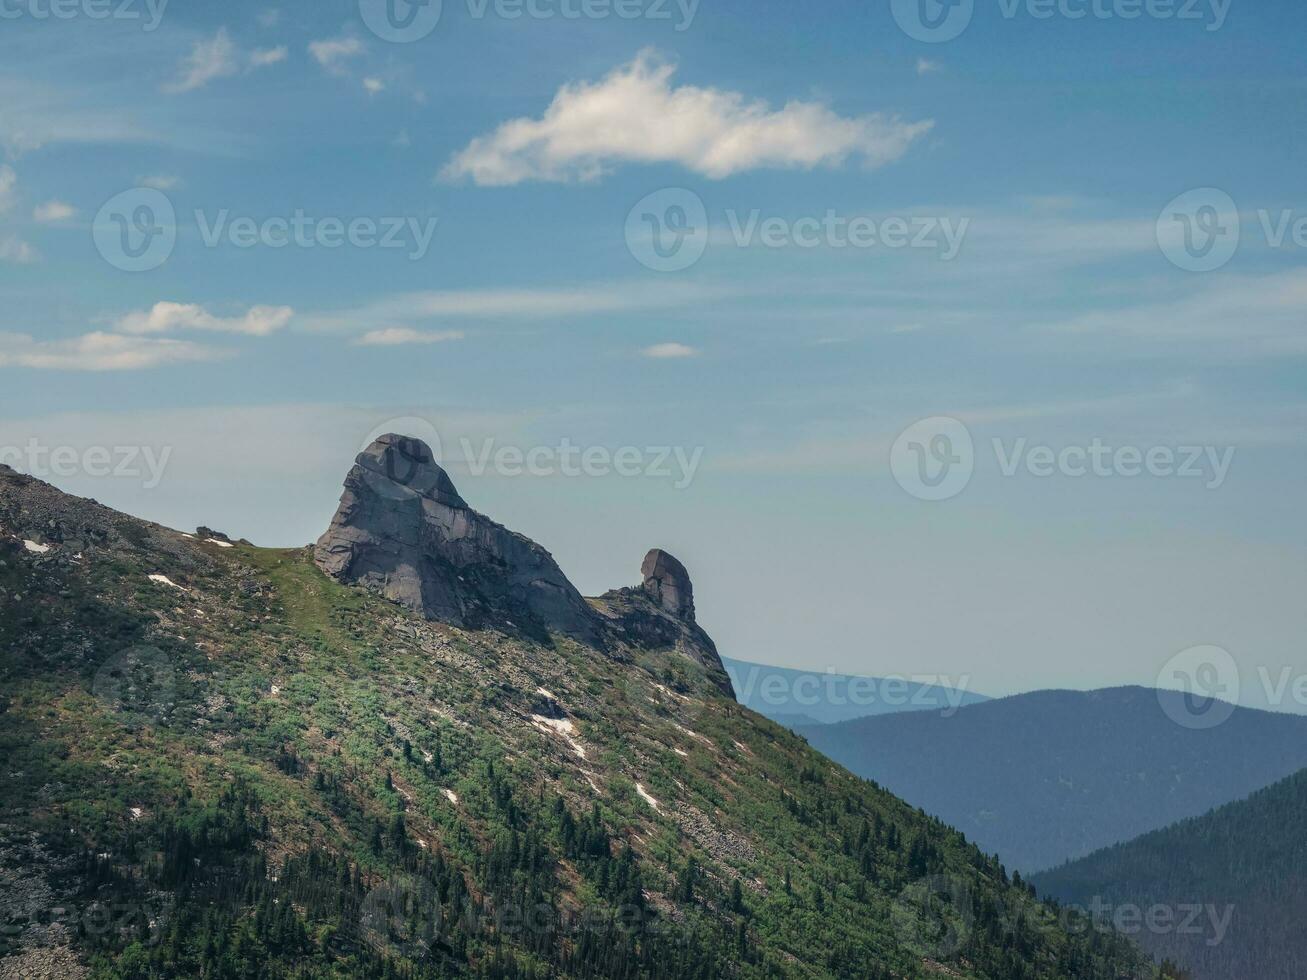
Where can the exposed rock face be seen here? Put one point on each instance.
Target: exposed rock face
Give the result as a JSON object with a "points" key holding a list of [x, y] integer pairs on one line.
{"points": [[403, 530], [660, 613], [668, 584]]}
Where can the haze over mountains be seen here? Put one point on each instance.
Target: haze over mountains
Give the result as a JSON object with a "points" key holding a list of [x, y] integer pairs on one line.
{"points": [[1051, 776], [804, 697]]}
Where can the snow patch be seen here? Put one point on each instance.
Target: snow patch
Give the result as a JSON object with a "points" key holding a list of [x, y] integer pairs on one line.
{"points": [[451, 796], [165, 580], [548, 694], [563, 726], [644, 795], [36, 549], [220, 544], [695, 735], [136, 812], [682, 753], [560, 726]]}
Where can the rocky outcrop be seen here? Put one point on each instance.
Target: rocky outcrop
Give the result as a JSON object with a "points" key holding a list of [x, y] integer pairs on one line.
{"points": [[659, 613], [403, 530], [668, 584]]}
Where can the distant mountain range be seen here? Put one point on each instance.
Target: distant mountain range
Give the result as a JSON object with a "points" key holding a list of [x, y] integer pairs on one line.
{"points": [[1052, 776], [795, 698], [1232, 884]]}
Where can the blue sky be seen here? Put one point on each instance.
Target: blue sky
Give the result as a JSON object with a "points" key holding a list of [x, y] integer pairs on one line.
{"points": [[1051, 146]]}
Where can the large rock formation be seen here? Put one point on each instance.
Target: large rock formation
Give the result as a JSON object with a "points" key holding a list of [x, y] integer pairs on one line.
{"points": [[659, 613], [403, 530], [668, 584]]}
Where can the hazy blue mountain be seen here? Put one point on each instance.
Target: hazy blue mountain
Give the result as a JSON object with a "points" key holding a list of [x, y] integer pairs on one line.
{"points": [[798, 697], [1051, 776], [1234, 879]]}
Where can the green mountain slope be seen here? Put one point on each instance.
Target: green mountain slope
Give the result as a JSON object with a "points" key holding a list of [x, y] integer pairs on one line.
{"points": [[219, 762], [1232, 885]]}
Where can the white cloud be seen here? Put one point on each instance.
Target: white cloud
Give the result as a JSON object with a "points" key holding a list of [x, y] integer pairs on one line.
{"points": [[331, 53], [270, 17], [668, 351], [405, 308], [925, 66], [34, 114], [1226, 317], [53, 211], [14, 249], [8, 182], [160, 182], [166, 317], [396, 336], [219, 57], [262, 57], [635, 115], [374, 85], [214, 58], [98, 352]]}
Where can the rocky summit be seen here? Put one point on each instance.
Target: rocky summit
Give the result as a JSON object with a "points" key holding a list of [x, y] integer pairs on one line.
{"points": [[404, 531], [668, 583], [660, 614]]}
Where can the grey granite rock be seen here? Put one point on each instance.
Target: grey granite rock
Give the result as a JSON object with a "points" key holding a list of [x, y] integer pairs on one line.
{"points": [[403, 530], [660, 614], [668, 584]]}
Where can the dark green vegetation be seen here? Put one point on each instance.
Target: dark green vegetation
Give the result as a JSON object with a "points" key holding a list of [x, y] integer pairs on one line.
{"points": [[250, 771], [1043, 778], [1245, 864]]}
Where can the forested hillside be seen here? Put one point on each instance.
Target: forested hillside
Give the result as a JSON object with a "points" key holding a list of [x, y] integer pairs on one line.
{"points": [[1051, 776], [1233, 884]]}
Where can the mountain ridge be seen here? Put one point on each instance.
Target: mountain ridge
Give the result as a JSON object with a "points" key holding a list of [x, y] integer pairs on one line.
{"points": [[1042, 777], [273, 772]]}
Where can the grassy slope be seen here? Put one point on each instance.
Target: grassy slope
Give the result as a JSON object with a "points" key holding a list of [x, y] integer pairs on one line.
{"points": [[307, 692]]}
